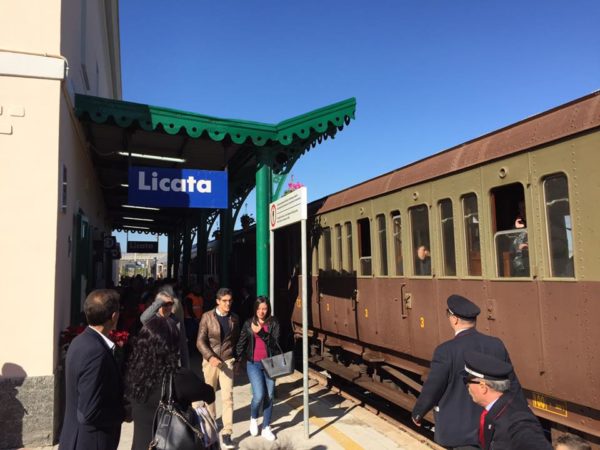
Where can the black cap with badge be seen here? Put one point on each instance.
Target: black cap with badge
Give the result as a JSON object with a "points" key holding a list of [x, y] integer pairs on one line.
{"points": [[480, 365]]}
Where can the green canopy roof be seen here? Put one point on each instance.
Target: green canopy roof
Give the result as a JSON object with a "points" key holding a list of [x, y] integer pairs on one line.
{"points": [[201, 141]]}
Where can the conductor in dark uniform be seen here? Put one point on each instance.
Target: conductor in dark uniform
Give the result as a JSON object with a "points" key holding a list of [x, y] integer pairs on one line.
{"points": [[506, 422], [456, 416], [94, 391]]}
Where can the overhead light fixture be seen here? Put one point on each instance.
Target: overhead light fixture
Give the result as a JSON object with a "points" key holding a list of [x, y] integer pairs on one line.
{"points": [[141, 207], [136, 227], [156, 157], [125, 185], [138, 218]]}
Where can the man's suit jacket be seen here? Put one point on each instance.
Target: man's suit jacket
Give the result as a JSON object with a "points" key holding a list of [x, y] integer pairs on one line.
{"points": [[510, 425], [94, 396], [457, 421]]}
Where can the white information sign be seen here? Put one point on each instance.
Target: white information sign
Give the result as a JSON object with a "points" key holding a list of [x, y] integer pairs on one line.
{"points": [[289, 209]]}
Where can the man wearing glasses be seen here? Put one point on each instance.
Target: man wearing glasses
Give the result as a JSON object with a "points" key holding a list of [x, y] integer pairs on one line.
{"points": [[456, 416], [166, 304], [217, 337]]}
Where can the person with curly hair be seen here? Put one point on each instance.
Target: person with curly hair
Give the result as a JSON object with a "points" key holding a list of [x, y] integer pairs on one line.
{"points": [[259, 339], [155, 354]]}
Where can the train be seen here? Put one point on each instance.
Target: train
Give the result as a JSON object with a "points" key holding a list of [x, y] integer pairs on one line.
{"points": [[508, 219]]}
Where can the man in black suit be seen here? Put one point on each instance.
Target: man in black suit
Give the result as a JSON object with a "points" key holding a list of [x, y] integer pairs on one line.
{"points": [[456, 416], [506, 422], [94, 400]]}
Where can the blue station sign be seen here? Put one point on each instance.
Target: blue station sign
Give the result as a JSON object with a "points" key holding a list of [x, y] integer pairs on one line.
{"points": [[177, 188]]}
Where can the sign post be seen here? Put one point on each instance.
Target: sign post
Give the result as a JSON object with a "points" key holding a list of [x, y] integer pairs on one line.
{"points": [[290, 209]]}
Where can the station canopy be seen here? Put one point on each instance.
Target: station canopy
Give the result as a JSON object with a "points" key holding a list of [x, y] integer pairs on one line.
{"points": [[122, 133]]}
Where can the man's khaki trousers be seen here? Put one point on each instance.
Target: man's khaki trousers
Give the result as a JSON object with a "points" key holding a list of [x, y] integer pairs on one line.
{"points": [[221, 376]]}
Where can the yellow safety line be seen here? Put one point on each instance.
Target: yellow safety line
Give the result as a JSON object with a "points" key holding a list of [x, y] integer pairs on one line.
{"points": [[332, 430]]}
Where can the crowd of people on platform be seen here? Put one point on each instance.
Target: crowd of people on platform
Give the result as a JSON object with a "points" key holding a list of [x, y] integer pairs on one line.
{"points": [[165, 326], [472, 387]]}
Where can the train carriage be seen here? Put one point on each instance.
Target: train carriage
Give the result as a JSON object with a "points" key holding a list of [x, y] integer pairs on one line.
{"points": [[509, 220]]}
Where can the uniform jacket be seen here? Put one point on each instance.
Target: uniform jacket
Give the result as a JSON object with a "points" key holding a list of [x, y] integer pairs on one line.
{"points": [[209, 336], [510, 425], [94, 396], [245, 346], [457, 421]]}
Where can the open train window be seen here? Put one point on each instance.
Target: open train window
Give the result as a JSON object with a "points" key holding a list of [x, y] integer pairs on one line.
{"points": [[472, 239], [397, 230], [419, 222], [364, 246], [338, 247], [447, 228], [382, 233], [510, 228], [349, 264], [327, 248], [559, 229]]}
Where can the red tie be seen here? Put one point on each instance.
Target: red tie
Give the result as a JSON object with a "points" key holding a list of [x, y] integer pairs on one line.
{"points": [[481, 427]]}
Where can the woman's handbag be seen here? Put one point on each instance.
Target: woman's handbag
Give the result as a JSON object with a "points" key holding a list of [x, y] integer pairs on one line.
{"points": [[279, 365], [174, 429]]}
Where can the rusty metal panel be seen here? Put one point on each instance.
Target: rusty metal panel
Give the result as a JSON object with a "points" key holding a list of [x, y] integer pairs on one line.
{"points": [[337, 295], [367, 311], [569, 316], [515, 318], [392, 315], [423, 312]]}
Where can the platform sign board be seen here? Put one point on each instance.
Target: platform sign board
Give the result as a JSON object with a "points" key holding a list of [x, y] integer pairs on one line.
{"points": [[289, 209], [177, 188], [142, 247]]}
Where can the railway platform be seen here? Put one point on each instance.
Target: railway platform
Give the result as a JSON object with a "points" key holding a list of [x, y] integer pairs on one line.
{"points": [[335, 422]]}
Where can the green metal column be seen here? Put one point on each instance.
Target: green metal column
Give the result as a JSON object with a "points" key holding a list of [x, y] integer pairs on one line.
{"points": [[263, 198], [225, 246]]}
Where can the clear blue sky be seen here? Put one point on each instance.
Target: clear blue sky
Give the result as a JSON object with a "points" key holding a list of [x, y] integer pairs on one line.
{"points": [[427, 74]]}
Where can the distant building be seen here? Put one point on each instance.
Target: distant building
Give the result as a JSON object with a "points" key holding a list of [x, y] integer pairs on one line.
{"points": [[54, 219]]}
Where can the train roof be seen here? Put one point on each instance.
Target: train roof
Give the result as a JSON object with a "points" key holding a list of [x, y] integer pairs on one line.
{"points": [[577, 116]]}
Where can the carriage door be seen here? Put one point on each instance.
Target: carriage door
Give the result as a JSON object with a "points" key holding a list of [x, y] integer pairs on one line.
{"points": [[419, 292]]}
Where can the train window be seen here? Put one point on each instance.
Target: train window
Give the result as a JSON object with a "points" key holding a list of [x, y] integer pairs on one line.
{"points": [[338, 247], [397, 224], [448, 250], [558, 221], [471, 218], [510, 226], [364, 247], [349, 265], [327, 249], [382, 232], [419, 222]]}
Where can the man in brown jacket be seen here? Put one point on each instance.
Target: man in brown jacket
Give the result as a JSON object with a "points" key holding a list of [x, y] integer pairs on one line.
{"points": [[217, 337]]}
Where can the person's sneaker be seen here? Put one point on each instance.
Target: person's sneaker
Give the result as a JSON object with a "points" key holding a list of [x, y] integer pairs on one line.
{"points": [[267, 434], [227, 443], [254, 427]]}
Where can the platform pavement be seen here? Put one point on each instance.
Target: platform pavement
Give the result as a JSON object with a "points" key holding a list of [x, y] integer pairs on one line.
{"points": [[335, 423]]}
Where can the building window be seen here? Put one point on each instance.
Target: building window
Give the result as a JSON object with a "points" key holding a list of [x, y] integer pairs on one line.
{"points": [[397, 229], [364, 248], [382, 233], [559, 226], [349, 266], [327, 249], [472, 242], [447, 228], [338, 247], [419, 222], [510, 227]]}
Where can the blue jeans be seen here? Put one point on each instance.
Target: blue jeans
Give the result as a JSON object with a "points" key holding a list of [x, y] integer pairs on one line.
{"points": [[262, 392]]}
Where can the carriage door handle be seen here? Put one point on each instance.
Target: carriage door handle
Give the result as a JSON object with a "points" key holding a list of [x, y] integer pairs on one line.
{"points": [[405, 300], [354, 299]]}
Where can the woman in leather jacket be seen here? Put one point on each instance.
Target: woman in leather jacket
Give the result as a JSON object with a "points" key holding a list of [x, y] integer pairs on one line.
{"points": [[259, 339]]}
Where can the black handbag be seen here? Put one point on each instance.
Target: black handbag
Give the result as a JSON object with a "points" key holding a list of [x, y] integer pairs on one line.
{"points": [[279, 365], [172, 428]]}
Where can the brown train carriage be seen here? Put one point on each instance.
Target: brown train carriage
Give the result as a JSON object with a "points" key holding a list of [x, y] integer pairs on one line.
{"points": [[377, 312]]}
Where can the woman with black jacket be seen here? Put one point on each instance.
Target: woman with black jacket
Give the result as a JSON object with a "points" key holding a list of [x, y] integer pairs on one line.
{"points": [[155, 355], [259, 339]]}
